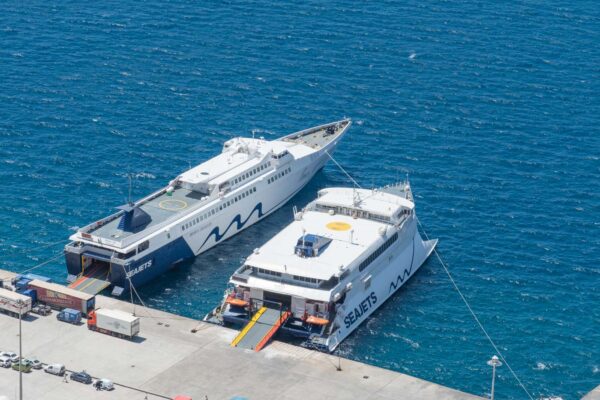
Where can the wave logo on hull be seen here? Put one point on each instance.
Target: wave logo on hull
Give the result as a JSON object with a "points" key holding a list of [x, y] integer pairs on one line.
{"points": [[406, 274], [236, 220]]}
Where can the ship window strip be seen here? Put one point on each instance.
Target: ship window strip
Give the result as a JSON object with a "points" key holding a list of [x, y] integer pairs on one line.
{"points": [[378, 252]]}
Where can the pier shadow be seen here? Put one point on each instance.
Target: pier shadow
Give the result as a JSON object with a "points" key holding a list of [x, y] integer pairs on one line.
{"points": [[137, 339], [28, 318]]}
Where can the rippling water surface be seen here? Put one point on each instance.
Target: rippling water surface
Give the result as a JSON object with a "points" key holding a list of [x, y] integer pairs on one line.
{"points": [[492, 109]]}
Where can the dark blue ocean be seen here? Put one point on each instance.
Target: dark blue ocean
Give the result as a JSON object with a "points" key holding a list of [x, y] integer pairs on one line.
{"points": [[491, 108]]}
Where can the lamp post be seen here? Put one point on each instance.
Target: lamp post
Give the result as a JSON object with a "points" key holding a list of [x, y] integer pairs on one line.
{"points": [[20, 304], [494, 362]]}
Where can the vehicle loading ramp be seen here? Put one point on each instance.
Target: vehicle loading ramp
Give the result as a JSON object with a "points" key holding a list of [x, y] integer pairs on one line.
{"points": [[261, 328], [92, 281]]}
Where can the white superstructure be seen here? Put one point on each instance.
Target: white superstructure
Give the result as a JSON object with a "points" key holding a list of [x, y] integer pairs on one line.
{"points": [[209, 203], [342, 257]]}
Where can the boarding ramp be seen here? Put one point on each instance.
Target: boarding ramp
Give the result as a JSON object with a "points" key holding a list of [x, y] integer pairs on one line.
{"points": [[261, 328], [92, 281]]}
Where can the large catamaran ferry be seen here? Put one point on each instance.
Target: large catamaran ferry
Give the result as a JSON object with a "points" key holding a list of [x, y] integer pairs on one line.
{"points": [[318, 279], [205, 205]]}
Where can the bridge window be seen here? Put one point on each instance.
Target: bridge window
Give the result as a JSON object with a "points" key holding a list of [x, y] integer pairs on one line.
{"points": [[126, 255], [143, 246]]}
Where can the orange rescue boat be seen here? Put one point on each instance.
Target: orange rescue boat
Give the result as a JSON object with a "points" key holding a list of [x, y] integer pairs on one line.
{"points": [[234, 301], [316, 320]]}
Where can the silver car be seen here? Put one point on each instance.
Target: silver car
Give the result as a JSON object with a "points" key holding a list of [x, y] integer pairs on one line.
{"points": [[12, 356], [55, 369], [35, 363], [104, 384], [5, 362]]}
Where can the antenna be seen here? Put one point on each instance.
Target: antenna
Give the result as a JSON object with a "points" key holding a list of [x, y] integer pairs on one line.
{"points": [[129, 195], [355, 197]]}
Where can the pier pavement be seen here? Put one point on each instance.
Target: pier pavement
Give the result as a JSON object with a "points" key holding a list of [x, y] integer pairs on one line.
{"points": [[176, 355]]}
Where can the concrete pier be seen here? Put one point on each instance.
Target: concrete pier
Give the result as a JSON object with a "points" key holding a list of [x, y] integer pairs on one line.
{"points": [[593, 395], [169, 359]]}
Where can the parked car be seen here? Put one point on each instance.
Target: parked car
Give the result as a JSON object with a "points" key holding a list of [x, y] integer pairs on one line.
{"points": [[22, 365], [35, 363], [41, 309], [104, 384], [82, 377], [11, 355], [5, 362], [55, 369]]}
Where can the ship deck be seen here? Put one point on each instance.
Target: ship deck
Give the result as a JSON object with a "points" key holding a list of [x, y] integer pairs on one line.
{"points": [[160, 209], [318, 138]]}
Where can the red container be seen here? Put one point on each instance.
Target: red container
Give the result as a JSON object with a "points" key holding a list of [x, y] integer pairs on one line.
{"points": [[58, 296]]}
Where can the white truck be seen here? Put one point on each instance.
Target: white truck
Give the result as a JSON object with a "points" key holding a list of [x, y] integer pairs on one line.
{"points": [[14, 303], [114, 322]]}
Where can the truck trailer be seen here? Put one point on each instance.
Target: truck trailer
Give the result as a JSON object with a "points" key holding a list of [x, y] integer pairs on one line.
{"points": [[9, 302], [59, 296], [114, 322]]}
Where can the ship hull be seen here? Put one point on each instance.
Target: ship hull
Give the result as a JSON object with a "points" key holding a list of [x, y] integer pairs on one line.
{"points": [[384, 284], [401, 263], [173, 246]]}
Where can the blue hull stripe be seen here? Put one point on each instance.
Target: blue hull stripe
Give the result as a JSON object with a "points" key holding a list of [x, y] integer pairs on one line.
{"points": [[237, 220]]}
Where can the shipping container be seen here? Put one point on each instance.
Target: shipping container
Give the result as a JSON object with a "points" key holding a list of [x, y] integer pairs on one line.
{"points": [[58, 296], [114, 322], [9, 302]]}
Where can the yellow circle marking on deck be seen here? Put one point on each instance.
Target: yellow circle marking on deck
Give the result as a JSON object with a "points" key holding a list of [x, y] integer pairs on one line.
{"points": [[338, 226], [173, 205]]}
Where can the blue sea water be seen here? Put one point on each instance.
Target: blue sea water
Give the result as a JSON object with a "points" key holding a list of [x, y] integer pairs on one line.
{"points": [[492, 108]]}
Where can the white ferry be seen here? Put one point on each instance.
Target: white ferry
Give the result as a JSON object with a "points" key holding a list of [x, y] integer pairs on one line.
{"points": [[205, 205], [344, 255]]}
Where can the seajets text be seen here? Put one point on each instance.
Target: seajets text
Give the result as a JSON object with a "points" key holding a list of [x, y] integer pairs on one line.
{"points": [[139, 269], [361, 309]]}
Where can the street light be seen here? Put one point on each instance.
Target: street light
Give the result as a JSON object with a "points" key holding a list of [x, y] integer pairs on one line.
{"points": [[20, 304], [494, 362]]}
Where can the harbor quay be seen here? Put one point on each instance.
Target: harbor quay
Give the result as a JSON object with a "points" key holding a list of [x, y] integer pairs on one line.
{"points": [[593, 395], [174, 355]]}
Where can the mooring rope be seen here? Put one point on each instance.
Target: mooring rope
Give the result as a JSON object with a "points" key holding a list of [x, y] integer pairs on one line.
{"points": [[475, 316], [43, 263], [343, 170], [457, 289]]}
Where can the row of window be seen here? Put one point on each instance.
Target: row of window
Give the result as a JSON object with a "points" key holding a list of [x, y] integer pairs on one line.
{"points": [[305, 279], [266, 271], [251, 173], [378, 252], [351, 212], [237, 198], [263, 271], [280, 174], [209, 213], [282, 154], [141, 247]]}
